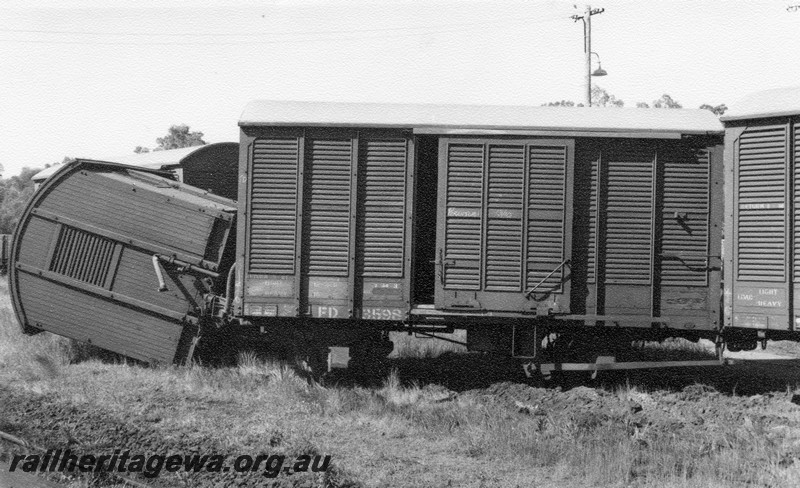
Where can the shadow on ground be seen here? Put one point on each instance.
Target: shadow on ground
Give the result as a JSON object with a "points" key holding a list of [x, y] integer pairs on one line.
{"points": [[467, 371]]}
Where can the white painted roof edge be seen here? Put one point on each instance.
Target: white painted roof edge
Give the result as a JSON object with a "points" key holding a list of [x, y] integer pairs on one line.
{"points": [[775, 102], [412, 116]]}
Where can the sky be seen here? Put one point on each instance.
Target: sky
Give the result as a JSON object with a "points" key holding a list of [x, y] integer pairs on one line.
{"points": [[87, 78]]}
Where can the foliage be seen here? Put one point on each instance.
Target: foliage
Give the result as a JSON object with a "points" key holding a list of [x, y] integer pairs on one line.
{"points": [[14, 194], [180, 136], [177, 136], [718, 110], [562, 103], [601, 98], [666, 101]]}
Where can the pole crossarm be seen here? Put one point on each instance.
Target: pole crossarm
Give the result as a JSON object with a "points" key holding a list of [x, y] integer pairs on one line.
{"points": [[587, 45]]}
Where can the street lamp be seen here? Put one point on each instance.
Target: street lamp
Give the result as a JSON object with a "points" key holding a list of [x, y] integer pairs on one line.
{"points": [[599, 71]]}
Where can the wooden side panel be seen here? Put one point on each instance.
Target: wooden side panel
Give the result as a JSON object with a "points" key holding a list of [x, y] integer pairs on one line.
{"points": [[763, 179], [463, 219], [270, 242], [68, 312], [131, 207], [688, 263], [329, 224], [504, 218], [383, 226], [629, 227], [547, 217], [761, 195]]}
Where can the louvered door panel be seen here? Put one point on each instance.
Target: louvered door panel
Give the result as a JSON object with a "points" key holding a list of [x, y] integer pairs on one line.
{"points": [[591, 251], [761, 253], [629, 216], [546, 216], [329, 177], [382, 219], [504, 205], [685, 225], [504, 218], [273, 206], [796, 170], [463, 220]]}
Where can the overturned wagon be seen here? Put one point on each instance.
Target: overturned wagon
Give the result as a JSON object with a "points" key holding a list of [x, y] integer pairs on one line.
{"points": [[582, 226], [92, 246]]}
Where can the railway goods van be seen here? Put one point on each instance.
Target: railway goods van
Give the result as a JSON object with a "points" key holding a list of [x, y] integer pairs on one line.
{"points": [[533, 228], [762, 218]]}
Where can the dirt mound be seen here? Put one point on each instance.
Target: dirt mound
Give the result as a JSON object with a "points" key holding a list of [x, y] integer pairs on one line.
{"points": [[46, 422]]}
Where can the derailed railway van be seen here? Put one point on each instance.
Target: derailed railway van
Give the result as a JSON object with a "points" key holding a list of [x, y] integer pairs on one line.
{"points": [[495, 219], [762, 228], [533, 228]]}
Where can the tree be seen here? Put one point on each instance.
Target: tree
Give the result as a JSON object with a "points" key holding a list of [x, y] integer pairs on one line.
{"points": [[15, 193], [666, 101], [718, 110], [601, 98], [562, 103], [180, 136], [177, 136], [642, 105]]}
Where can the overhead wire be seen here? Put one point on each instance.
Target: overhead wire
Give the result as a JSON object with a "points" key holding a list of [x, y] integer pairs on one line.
{"points": [[253, 38]]}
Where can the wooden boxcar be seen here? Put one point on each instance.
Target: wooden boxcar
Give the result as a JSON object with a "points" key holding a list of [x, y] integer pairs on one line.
{"points": [[480, 217], [514, 223], [762, 228]]}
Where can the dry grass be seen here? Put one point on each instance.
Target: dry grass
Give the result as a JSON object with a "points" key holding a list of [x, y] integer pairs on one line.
{"points": [[401, 432], [28, 358]]}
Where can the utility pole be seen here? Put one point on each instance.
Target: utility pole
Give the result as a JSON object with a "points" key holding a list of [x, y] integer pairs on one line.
{"points": [[587, 46]]}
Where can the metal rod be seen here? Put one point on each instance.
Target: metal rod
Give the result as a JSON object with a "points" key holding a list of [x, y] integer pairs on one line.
{"points": [[188, 266], [529, 292], [162, 286], [434, 336], [229, 290]]}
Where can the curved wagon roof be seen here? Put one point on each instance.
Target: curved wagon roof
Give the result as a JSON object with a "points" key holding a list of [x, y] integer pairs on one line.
{"points": [[165, 159], [476, 119], [768, 103]]}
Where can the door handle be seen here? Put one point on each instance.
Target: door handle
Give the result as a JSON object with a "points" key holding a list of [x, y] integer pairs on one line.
{"points": [[441, 263]]}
